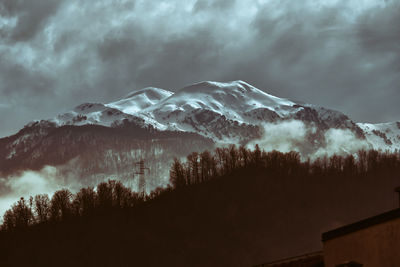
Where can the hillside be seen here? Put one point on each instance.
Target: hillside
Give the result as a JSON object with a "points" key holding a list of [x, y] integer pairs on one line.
{"points": [[274, 209], [88, 154]]}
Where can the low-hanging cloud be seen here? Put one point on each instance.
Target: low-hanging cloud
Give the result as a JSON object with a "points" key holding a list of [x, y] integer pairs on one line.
{"points": [[55, 54], [283, 136], [26, 184], [295, 135], [45, 181], [50, 179], [341, 142]]}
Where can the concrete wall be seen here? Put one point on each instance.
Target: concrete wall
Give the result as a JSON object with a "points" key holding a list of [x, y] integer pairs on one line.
{"points": [[375, 246]]}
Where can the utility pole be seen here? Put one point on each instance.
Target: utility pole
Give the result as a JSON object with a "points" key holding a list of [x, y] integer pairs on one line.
{"points": [[142, 181]]}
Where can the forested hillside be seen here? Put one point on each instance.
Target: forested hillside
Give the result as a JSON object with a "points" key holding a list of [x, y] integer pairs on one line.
{"points": [[90, 154], [232, 207]]}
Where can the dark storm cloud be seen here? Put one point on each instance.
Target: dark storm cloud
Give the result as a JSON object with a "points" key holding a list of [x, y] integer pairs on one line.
{"points": [[57, 54], [30, 16], [193, 57], [320, 57], [379, 31], [19, 82]]}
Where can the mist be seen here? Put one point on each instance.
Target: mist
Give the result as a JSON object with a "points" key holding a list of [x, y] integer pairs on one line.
{"points": [[46, 181], [28, 183], [341, 142], [51, 179], [284, 136], [295, 135]]}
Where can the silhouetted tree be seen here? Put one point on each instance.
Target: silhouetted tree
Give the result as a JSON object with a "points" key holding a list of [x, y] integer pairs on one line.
{"points": [[177, 174], [42, 208], [335, 164], [221, 160], [84, 201], [362, 161], [19, 216], [206, 166], [105, 195], [349, 165], [193, 161], [256, 156], [60, 208], [244, 156], [8, 220], [233, 161], [372, 159]]}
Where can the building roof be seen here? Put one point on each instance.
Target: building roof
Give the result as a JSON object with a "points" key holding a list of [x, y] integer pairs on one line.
{"points": [[350, 228], [314, 259]]}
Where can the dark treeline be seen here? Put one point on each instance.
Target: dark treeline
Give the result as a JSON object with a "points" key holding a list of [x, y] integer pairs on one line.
{"points": [[229, 207], [204, 166], [198, 168], [64, 205]]}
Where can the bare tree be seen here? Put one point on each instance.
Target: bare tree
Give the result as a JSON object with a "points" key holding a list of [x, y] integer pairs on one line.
{"points": [[177, 174], [60, 207], [105, 195], [84, 201], [42, 208], [19, 216]]}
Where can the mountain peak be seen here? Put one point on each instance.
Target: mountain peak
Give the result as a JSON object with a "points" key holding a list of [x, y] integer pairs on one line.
{"points": [[141, 99], [150, 92], [212, 86]]}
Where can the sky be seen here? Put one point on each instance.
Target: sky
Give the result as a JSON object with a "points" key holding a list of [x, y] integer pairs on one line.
{"points": [[56, 54]]}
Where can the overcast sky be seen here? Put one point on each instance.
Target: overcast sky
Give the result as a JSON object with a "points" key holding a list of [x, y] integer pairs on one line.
{"points": [[56, 54]]}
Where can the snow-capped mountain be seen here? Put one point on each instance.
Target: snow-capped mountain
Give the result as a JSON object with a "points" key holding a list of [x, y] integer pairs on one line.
{"points": [[154, 123], [226, 112], [231, 112]]}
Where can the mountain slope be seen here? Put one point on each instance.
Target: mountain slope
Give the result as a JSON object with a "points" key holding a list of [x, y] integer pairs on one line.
{"points": [[382, 135], [219, 113]]}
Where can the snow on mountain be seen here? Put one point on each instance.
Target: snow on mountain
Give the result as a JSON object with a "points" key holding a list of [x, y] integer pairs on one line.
{"points": [[231, 99], [140, 100], [91, 113], [217, 110], [234, 100], [231, 112], [382, 135]]}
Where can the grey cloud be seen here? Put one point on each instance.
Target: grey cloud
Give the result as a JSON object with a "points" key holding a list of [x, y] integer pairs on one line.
{"points": [[31, 16], [319, 60], [113, 49], [17, 81], [378, 30], [191, 57]]}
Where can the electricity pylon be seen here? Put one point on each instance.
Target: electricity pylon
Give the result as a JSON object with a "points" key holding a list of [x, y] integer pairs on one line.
{"points": [[142, 181]]}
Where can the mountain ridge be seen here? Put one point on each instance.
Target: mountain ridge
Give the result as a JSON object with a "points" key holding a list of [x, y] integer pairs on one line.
{"points": [[222, 113], [226, 103]]}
